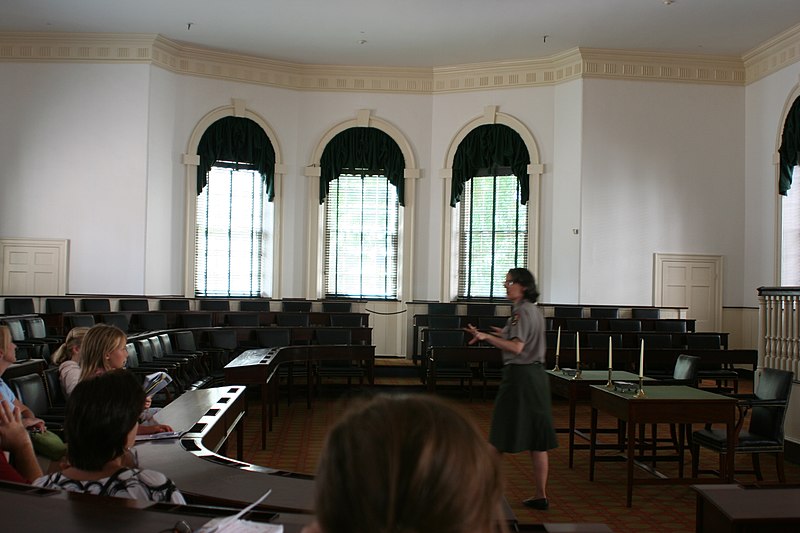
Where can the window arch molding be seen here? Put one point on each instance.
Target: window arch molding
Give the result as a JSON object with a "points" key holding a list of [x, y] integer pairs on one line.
{"points": [[314, 266], [793, 96], [491, 115], [191, 160]]}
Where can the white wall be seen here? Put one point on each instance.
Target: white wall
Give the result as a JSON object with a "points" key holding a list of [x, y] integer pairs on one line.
{"points": [[662, 171], [560, 250], [765, 102], [73, 142], [94, 156]]}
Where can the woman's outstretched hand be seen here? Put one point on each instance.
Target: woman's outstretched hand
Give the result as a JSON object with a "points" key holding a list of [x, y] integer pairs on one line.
{"points": [[477, 336]]}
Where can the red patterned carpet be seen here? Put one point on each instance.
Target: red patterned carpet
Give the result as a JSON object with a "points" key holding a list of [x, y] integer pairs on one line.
{"points": [[296, 440]]}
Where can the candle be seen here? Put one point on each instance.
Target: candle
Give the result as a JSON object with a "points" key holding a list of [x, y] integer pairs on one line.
{"points": [[578, 348], [558, 341], [609, 352], [641, 360]]}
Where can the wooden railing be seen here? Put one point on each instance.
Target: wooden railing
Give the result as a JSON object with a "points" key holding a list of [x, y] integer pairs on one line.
{"points": [[779, 328]]}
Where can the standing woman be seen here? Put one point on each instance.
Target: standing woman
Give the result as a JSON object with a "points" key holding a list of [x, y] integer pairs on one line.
{"points": [[522, 418]]}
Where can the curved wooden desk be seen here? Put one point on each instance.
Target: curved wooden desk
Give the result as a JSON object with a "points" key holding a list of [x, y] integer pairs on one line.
{"points": [[209, 417]]}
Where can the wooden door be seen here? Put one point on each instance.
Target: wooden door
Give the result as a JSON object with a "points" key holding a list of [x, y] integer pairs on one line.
{"points": [[691, 281], [33, 267]]}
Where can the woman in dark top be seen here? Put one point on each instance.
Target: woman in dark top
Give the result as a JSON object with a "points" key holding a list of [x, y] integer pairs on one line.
{"points": [[102, 418], [522, 418]]}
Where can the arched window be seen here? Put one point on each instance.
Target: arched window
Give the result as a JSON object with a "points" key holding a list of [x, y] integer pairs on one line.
{"points": [[490, 188], [789, 173], [361, 186], [234, 214]]}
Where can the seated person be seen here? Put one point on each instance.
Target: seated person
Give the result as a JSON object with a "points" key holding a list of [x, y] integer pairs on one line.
{"points": [[409, 463], [102, 418], [8, 356], [15, 440], [68, 359], [102, 350]]}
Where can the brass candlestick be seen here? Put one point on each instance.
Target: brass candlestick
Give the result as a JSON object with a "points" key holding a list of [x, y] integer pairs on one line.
{"points": [[577, 370], [640, 392], [609, 384], [556, 368]]}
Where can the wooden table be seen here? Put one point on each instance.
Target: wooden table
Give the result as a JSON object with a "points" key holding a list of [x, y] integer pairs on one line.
{"points": [[737, 509], [564, 385], [259, 367], [662, 405]]}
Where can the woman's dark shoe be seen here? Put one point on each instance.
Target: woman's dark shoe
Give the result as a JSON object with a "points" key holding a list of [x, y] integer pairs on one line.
{"points": [[540, 504]]}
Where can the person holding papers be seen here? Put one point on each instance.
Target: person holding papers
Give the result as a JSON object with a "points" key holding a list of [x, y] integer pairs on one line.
{"points": [[103, 350], [522, 418], [101, 423]]}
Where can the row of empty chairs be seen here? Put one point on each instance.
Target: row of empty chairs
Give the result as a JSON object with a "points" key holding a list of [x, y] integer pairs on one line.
{"points": [[156, 320], [600, 339], [559, 311], [25, 306]]}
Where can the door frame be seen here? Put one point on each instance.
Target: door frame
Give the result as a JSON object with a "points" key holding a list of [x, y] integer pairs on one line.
{"points": [[659, 259]]}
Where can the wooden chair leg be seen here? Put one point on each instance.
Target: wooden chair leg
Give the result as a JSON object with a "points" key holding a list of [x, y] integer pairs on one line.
{"points": [[695, 459], [757, 466], [722, 469], [779, 466]]}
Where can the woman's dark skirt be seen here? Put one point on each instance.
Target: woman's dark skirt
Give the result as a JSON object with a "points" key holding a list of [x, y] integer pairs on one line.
{"points": [[523, 415]]}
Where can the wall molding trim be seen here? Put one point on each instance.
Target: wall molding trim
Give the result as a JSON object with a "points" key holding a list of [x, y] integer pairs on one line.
{"points": [[578, 63]]}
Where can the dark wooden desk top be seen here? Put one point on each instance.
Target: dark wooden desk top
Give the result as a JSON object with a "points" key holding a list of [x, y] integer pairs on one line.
{"points": [[43, 510], [759, 505]]}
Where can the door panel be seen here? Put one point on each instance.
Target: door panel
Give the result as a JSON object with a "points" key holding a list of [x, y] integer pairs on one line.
{"points": [[694, 282], [33, 267]]}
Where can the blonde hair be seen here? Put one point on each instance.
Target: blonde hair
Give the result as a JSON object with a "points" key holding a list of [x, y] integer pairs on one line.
{"points": [[5, 338], [99, 341], [408, 464], [73, 340]]}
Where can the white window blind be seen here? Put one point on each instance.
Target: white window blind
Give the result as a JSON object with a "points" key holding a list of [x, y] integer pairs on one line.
{"points": [[790, 233], [361, 236], [493, 235], [231, 244]]}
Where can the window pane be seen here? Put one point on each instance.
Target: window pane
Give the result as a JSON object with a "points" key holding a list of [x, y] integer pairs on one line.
{"points": [[493, 235], [361, 236], [790, 230], [231, 245]]}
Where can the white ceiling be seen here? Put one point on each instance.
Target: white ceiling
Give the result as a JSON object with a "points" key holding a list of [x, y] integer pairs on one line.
{"points": [[421, 33]]}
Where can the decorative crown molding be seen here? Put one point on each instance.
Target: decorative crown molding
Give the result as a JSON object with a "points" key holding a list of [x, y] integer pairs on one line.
{"points": [[573, 64], [773, 55], [659, 66]]}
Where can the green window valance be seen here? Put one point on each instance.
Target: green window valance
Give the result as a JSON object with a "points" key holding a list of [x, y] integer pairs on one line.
{"points": [[363, 150], [238, 143], [790, 148], [490, 146]]}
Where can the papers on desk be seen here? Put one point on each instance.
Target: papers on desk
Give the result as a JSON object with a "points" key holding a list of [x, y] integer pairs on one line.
{"points": [[159, 436], [235, 524], [225, 525]]}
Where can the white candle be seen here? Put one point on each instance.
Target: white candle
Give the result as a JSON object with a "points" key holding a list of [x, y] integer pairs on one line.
{"points": [[558, 341], [577, 347], [641, 360], [609, 352]]}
